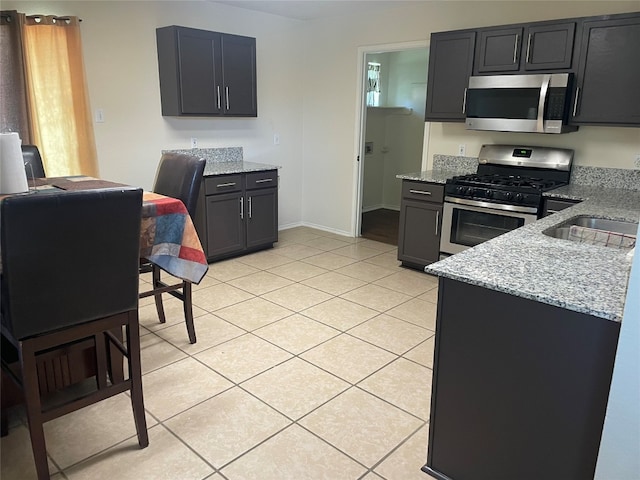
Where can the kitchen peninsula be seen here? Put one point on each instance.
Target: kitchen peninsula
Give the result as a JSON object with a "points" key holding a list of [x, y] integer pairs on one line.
{"points": [[526, 336]]}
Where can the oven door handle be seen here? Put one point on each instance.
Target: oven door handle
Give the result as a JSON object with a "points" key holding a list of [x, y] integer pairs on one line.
{"points": [[544, 90], [492, 206]]}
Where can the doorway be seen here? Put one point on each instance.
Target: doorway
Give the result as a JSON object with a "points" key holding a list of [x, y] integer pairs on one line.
{"points": [[391, 134]]}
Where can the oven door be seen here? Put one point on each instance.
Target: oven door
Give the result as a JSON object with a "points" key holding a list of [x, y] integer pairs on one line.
{"points": [[467, 223]]}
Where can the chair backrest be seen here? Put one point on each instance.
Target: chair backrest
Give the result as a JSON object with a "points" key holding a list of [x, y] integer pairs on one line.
{"points": [[68, 258], [179, 176], [32, 161]]}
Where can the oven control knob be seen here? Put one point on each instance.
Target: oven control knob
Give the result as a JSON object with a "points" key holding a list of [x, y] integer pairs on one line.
{"points": [[488, 193], [519, 197], [471, 191], [508, 195], [461, 189]]}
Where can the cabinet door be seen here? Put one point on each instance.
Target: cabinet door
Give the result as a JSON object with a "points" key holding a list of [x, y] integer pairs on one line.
{"points": [[419, 236], [499, 50], [239, 67], [198, 68], [609, 73], [549, 47], [450, 64], [262, 217], [225, 223]]}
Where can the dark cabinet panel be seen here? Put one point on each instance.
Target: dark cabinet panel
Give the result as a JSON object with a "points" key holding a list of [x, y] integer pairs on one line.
{"points": [[450, 65], [206, 73], [609, 73], [225, 223], [498, 50], [549, 47], [262, 217], [420, 222], [553, 205]]}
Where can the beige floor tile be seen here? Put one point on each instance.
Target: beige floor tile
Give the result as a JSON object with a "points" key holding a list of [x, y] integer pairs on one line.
{"points": [[219, 296], [404, 384], [229, 269], [294, 454], [296, 251], [297, 297], [408, 282], [85, 432], [243, 357], [408, 459], [179, 386], [334, 283], [366, 272], [260, 282], [416, 311], [298, 234], [357, 251], [206, 281], [173, 313], [295, 387], [340, 313], [387, 260], [348, 358], [376, 297], [338, 236], [253, 313], [362, 426], [211, 330], [16, 456], [226, 426], [430, 296], [391, 333], [296, 333], [326, 243], [380, 246], [264, 259], [298, 271], [329, 261], [372, 476], [423, 353], [165, 457], [156, 353]]}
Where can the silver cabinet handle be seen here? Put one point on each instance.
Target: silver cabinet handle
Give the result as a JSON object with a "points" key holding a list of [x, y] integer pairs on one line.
{"points": [[528, 48], [515, 49], [437, 221], [218, 96], [249, 207], [226, 95], [464, 101], [575, 102], [544, 89], [242, 208], [421, 192], [265, 180], [222, 185]]}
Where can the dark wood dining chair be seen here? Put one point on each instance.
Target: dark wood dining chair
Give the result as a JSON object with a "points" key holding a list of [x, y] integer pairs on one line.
{"points": [[32, 162], [70, 283], [178, 176]]}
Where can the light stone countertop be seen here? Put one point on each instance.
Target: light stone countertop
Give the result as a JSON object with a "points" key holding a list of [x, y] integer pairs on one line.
{"points": [[224, 161], [576, 276], [223, 168], [432, 176]]}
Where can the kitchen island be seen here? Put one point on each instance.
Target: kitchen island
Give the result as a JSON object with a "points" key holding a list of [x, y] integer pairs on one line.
{"points": [[526, 336]]}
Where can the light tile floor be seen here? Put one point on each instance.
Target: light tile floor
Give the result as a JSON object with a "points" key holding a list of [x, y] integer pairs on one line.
{"points": [[313, 361]]}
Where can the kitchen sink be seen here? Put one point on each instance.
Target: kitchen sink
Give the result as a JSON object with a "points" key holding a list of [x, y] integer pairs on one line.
{"points": [[596, 231]]}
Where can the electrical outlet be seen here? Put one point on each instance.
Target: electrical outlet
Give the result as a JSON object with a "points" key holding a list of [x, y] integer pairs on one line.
{"points": [[194, 142], [462, 150], [99, 116], [636, 161], [276, 139]]}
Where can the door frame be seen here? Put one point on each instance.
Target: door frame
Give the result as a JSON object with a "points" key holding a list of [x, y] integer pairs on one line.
{"points": [[361, 115]]}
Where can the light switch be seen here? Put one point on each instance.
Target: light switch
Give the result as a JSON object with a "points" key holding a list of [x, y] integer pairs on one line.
{"points": [[99, 116]]}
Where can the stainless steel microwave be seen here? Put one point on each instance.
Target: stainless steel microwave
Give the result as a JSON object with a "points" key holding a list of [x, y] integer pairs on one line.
{"points": [[519, 103]]}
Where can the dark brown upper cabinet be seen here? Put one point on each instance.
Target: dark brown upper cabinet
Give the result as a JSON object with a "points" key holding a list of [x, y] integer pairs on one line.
{"points": [[450, 64], [608, 76], [205, 73], [530, 47]]}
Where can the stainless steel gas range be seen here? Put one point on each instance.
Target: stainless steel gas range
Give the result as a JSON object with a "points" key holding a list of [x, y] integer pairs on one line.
{"points": [[504, 194]]}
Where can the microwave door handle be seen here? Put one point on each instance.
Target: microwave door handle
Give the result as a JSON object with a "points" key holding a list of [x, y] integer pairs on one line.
{"points": [[544, 90]]}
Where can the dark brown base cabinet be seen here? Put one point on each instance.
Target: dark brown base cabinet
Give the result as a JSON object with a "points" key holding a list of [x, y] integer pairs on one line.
{"points": [[520, 388], [420, 222], [238, 213]]}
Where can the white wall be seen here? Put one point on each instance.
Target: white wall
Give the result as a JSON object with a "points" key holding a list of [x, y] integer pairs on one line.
{"points": [[314, 114]]}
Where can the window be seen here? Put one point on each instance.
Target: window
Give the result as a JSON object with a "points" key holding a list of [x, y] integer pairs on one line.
{"points": [[373, 84]]}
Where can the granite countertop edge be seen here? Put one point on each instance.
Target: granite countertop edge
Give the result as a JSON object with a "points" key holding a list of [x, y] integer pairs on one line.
{"points": [[225, 168]]}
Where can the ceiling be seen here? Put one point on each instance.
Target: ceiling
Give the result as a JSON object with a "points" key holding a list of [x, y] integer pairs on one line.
{"points": [[313, 9]]}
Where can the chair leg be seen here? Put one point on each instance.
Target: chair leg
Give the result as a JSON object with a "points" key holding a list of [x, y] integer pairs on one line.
{"points": [[34, 409], [135, 376], [158, 297], [188, 311]]}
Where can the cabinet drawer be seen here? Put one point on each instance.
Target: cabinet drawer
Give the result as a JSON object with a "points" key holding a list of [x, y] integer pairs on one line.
{"points": [[222, 184], [268, 178], [428, 192]]}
